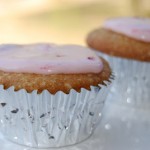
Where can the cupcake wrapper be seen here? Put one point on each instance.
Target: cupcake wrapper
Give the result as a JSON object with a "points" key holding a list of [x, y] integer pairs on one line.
{"points": [[46, 120], [132, 81]]}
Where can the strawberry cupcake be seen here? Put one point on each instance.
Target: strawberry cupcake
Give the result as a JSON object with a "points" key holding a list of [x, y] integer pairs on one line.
{"points": [[51, 95], [125, 43]]}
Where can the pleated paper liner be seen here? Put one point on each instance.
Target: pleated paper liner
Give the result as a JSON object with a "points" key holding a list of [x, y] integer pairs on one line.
{"points": [[46, 120], [132, 82]]}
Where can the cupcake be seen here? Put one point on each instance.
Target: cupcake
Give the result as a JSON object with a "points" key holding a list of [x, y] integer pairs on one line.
{"points": [[51, 95], [125, 43]]}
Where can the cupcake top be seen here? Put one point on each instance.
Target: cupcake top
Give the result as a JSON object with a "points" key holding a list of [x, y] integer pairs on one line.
{"points": [[126, 37], [137, 28], [51, 67], [48, 59]]}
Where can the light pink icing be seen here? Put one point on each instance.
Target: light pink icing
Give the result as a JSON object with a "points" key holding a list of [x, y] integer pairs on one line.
{"points": [[136, 28], [48, 59]]}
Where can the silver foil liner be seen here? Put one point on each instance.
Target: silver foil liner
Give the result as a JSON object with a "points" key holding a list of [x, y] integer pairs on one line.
{"points": [[131, 86], [45, 120]]}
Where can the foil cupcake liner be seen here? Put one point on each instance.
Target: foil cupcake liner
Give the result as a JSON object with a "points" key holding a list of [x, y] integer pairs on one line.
{"points": [[45, 120], [131, 86]]}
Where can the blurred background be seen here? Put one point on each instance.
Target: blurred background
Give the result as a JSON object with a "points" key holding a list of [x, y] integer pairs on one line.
{"points": [[61, 21]]}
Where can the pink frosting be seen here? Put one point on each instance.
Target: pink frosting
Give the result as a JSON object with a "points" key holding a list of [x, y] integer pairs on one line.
{"points": [[136, 28], [48, 59]]}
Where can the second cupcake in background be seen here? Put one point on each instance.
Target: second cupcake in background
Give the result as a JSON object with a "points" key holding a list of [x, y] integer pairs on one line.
{"points": [[125, 43]]}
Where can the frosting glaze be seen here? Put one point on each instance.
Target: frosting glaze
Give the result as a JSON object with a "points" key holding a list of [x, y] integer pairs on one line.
{"points": [[137, 28], [48, 59]]}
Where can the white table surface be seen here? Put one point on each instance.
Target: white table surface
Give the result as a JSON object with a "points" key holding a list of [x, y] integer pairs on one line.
{"points": [[121, 128]]}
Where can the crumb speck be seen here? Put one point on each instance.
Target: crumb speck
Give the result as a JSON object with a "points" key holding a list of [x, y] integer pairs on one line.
{"points": [[91, 58]]}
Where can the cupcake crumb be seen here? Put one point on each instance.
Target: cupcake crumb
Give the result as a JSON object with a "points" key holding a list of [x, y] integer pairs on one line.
{"points": [[3, 104], [15, 111]]}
